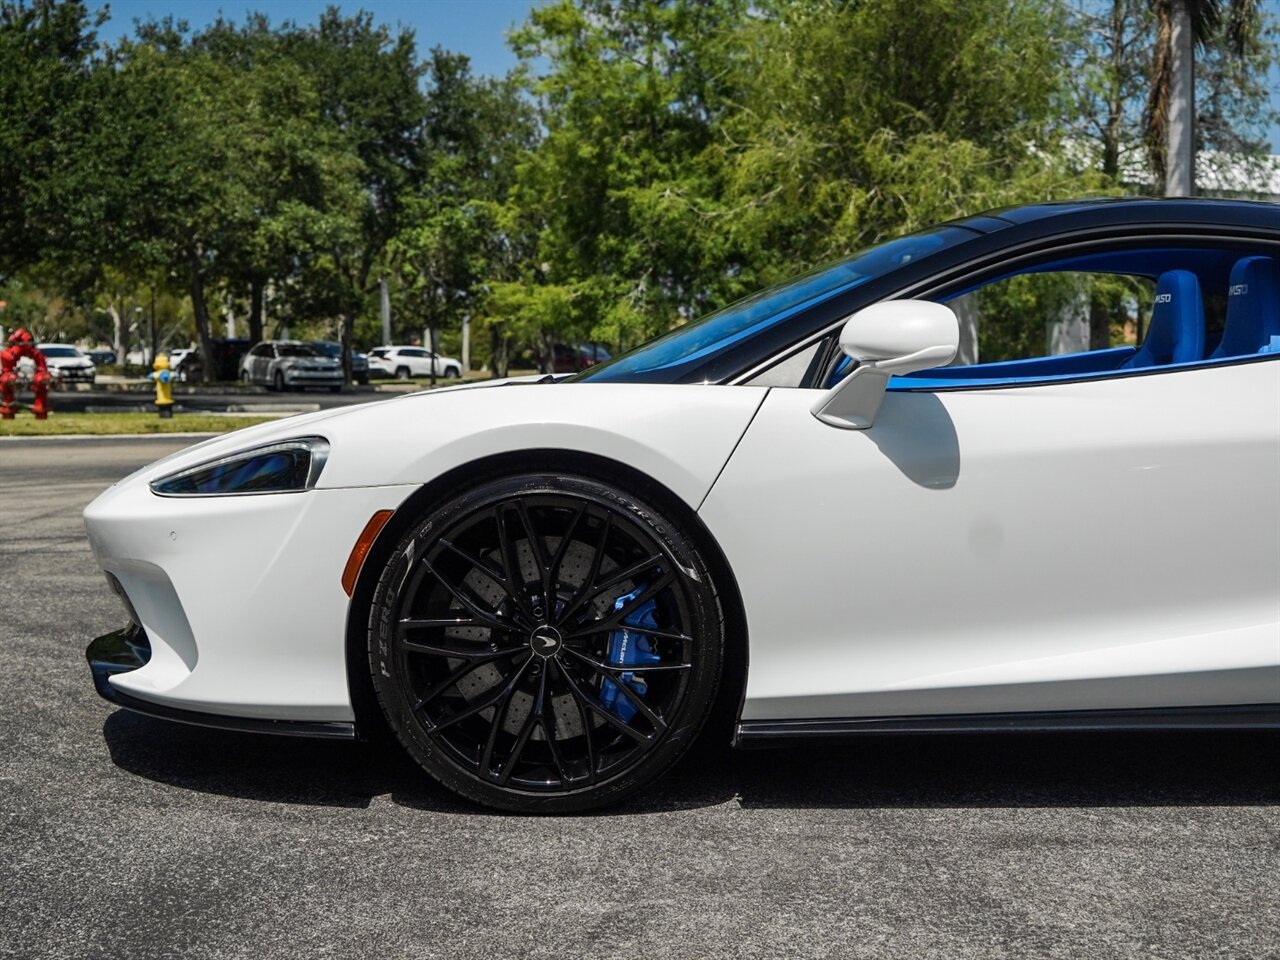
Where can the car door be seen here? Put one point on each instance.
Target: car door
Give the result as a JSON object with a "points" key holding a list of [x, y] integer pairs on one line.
{"points": [[1097, 544], [261, 363], [418, 361]]}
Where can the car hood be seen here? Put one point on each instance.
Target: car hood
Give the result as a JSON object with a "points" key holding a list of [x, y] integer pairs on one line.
{"points": [[680, 434]]}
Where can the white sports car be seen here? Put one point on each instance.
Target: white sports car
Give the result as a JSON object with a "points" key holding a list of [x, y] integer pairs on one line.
{"points": [[793, 508]]}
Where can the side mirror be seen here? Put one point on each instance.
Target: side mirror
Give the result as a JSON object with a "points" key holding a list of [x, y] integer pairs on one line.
{"points": [[887, 338]]}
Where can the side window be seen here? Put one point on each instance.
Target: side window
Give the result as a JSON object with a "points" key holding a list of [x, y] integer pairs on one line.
{"points": [[1108, 313], [1052, 313]]}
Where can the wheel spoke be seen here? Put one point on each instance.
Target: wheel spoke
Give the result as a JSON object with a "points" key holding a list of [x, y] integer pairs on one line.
{"points": [[457, 675], [526, 730], [630, 573], [649, 714], [582, 593], [478, 564], [548, 721], [495, 727], [473, 651], [540, 559], [563, 547], [428, 623], [511, 564], [628, 668], [614, 620], [586, 726], [503, 692], [604, 714], [490, 618], [660, 634]]}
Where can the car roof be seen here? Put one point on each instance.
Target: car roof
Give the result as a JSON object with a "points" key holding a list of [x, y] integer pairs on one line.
{"points": [[1056, 215], [40, 346]]}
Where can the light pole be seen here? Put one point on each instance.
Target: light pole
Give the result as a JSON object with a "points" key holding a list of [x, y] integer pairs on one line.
{"points": [[137, 325]]}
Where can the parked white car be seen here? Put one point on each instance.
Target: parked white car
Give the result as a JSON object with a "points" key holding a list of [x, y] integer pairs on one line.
{"points": [[405, 362], [68, 363]]}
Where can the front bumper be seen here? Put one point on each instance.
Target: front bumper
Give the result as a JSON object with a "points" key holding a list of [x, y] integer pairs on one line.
{"points": [[129, 649], [240, 598], [313, 378]]}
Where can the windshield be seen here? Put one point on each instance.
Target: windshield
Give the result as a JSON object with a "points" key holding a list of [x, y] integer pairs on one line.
{"points": [[297, 350], [61, 352], [327, 348], [761, 311]]}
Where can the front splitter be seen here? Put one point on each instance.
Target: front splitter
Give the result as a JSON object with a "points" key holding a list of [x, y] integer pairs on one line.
{"points": [[130, 649]]}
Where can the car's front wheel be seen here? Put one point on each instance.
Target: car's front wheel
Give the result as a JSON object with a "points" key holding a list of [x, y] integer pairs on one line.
{"points": [[546, 643]]}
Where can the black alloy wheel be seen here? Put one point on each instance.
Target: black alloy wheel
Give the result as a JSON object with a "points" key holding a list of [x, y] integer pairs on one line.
{"points": [[279, 382], [545, 643]]}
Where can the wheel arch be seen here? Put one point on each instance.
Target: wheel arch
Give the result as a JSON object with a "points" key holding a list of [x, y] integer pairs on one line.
{"points": [[733, 684]]}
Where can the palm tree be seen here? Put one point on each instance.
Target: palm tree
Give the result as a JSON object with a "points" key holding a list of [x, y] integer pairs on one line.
{"points": [[1181, 25]]}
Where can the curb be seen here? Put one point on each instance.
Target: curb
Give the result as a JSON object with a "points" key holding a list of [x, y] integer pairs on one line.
{"points": [[103, 437], [249, 409]]}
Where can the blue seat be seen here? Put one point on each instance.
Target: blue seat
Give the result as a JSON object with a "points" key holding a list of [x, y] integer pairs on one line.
{"points": [[1253, 309], [1176, 332]]}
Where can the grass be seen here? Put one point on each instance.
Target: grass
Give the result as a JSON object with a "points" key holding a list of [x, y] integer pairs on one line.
{"points": [[104, 424]]}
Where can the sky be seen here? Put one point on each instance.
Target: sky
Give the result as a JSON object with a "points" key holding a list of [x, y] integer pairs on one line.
{"points": [[474, 27]]}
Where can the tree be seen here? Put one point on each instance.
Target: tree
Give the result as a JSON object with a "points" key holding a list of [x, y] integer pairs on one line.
{"points": [[1182, 25], [451, 241], [304, 173], [855, 123], [614, 200], [46, 66], [367, 79]]}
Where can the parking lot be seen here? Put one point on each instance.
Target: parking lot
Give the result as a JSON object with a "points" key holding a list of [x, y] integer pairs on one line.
{"points": [[123, 836]]}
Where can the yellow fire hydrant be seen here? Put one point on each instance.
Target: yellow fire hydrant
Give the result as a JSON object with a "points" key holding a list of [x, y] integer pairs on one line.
{"points": [[163, 377]]}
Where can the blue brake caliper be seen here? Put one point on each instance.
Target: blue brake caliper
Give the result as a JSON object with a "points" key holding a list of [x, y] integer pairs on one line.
{"points": [[627, 648]]}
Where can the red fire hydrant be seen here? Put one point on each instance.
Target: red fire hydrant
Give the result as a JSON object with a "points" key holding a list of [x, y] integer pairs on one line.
{"points": [[21, 344]]}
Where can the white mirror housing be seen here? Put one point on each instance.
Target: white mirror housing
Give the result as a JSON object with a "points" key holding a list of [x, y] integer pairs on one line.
{"points": [[887, 338]]}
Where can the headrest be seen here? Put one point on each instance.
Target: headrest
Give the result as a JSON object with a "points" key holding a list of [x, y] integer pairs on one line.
{"points": [[1253, 308], [1176, 332]]}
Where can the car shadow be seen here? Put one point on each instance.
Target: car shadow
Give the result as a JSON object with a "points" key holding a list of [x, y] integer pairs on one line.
{"points": [[1215, 768]]}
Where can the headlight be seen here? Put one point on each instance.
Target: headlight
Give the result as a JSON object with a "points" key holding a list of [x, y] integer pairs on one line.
{"points": [[289, 466]]}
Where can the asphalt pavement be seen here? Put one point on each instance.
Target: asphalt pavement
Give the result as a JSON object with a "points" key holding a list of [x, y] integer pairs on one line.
{"points": [[123, 836]]}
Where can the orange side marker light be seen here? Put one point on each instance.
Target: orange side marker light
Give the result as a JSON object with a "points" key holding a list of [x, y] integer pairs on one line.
{"points": [[361, 550]]}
